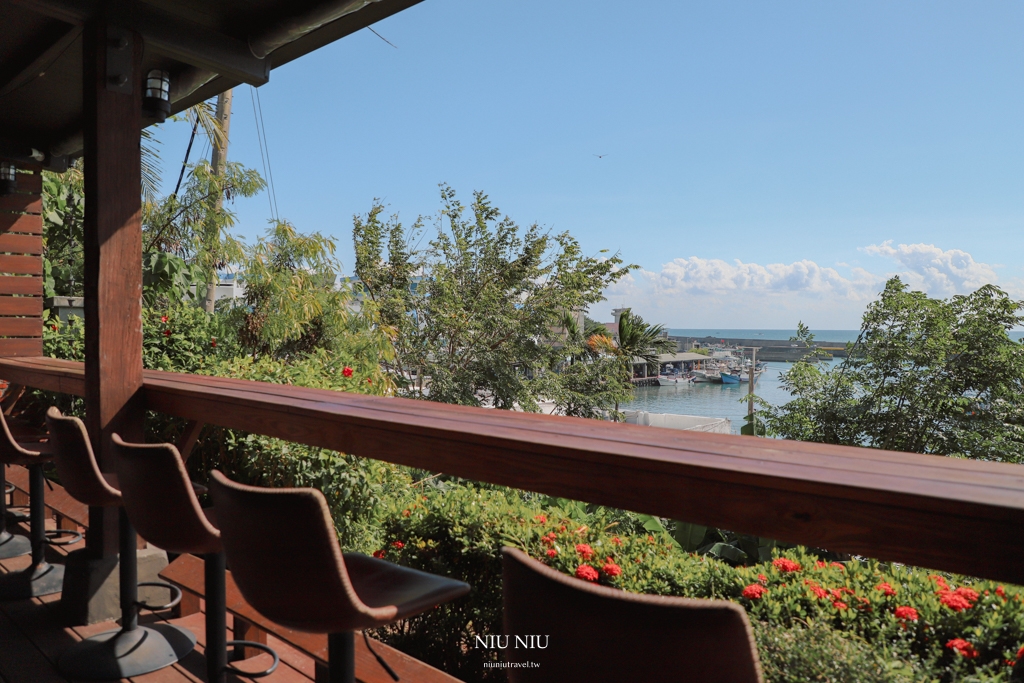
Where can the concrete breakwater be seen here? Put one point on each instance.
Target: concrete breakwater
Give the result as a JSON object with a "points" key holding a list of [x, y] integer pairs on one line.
{"points": [[780, 350]]}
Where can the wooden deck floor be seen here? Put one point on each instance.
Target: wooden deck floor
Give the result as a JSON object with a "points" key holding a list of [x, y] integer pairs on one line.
{"points": [[32, 638]]}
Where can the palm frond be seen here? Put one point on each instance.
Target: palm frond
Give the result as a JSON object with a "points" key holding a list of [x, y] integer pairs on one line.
{"points": [[150, 160], [206, 116]]}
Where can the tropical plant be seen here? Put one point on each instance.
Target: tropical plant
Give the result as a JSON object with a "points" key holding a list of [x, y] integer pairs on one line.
{"points": [[63, 232]]}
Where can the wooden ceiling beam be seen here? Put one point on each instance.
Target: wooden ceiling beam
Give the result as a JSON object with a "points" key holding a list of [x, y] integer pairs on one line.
{"points": [[51, 44], [170, 35]]}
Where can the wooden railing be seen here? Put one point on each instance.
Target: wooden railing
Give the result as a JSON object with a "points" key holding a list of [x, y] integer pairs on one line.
{"points": [[931, 511]]}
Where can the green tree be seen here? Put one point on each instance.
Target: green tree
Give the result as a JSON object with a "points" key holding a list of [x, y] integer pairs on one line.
{"points": [[475, 317], [292, 303], [925, 375], [63, 232]]}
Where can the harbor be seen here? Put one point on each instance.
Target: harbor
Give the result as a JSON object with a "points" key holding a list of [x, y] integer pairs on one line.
{"points": [[712, 400]]}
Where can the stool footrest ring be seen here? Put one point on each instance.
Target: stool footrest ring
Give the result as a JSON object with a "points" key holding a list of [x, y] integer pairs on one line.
{"points": [[259, 646], [175, 592], [52, 536]]}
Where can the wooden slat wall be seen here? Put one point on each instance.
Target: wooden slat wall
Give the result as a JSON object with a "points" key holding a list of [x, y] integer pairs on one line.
{"points": [[21, 268]]}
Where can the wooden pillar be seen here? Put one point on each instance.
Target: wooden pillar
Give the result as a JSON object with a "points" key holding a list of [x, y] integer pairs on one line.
{"points": [[112, 110]]}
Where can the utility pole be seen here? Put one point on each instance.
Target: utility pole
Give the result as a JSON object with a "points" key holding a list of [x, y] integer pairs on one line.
{"points": [[218, 160], [752, 376]]}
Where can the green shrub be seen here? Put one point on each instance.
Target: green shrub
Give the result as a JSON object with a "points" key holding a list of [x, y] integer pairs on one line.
{"points": [[818, 653], [458, 531]]}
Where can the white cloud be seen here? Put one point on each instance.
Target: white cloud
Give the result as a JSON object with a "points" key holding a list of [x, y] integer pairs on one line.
{"points": [[714, 276], [938, 272], [698, 292]]}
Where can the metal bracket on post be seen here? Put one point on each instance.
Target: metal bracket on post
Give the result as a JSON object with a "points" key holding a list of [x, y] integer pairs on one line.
{"points": [[119, 60]]}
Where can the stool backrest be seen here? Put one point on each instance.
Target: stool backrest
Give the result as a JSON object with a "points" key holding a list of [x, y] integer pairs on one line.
{"points": [[283, 553], [159, 498], [11, 453], [76, 463], [597, 633]]}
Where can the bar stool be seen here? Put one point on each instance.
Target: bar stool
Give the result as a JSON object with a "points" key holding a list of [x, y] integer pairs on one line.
{"points": [[640, 637], [10, 545], [132, 650], [162, 502], [40, 577], [286, 560]]}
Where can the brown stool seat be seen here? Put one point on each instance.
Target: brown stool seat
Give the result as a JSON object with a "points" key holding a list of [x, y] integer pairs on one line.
{"points": [[132, 650], [640, 637], [161, 500], [40, 578], [286, 560], [76, 464], [302, 580]]}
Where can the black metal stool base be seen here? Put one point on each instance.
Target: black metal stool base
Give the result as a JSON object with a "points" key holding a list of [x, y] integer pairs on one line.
{"points": [[16, 516], [13, 546], [41, 579], [123, 654]]}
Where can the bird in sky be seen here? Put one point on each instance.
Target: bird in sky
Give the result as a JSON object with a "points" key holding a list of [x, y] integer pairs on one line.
{"points": [[600, 156]]}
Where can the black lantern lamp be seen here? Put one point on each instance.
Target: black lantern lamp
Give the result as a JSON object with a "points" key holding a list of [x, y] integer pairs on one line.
{"points": [[8, 177], [156, 100]]}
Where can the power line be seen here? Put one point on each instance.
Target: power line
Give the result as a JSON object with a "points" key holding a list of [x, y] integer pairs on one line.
{"points": [[188, 151], [270, 166], [259, 139]]}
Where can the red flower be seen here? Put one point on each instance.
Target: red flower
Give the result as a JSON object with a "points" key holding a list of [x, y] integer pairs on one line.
{"points": [[962, 647], [905, 613], [820, 592], [53, 327], [369, 381], [838, 604], [838, 566], [586, 572], [1001, 592], [397, 544], [837, 593], [163, 318], [784, 564], [552, 552], [611, 569], [561, 528], [541, 518], [754, 591], [167, 333], [762, 578], [938, 580], [1020, 652], [970, 594], [957, 603], [347, 372], [819, 564], [616, 540], [213, 341], [379, 554], [886, 588], [585, 551]]}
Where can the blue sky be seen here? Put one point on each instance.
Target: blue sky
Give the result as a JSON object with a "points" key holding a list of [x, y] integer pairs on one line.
{"points": [[766, 162]]}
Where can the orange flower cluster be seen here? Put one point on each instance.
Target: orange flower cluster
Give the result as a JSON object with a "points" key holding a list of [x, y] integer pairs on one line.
{"points": [[785, 565], [962, 647]]}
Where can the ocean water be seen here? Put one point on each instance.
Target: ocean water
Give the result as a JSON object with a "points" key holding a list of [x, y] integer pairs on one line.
{"points": [[714, 400], [840, 336]]}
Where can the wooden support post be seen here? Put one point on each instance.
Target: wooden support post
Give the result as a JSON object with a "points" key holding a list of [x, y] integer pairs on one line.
{"points": [[112, 96]]}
